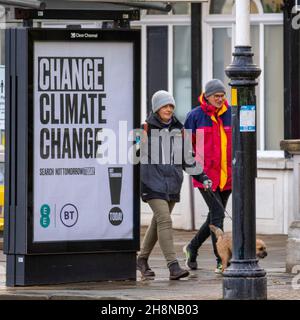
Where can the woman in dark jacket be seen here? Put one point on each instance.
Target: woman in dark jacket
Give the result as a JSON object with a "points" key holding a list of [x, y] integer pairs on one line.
{"points": [[162, 161]]}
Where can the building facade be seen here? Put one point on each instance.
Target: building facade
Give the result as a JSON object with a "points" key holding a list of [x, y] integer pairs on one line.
{"points": [[195, 43], [182, 50]]}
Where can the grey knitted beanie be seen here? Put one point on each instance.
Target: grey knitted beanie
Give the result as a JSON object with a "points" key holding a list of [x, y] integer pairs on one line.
{"points": [[160, 99], [213, 86]]}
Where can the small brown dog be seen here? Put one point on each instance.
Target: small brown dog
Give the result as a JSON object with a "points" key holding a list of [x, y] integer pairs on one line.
{"points": [[224, 246]]}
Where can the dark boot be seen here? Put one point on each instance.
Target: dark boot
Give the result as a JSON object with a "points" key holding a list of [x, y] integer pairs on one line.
{"points": [[143, 267], [176, 272]]}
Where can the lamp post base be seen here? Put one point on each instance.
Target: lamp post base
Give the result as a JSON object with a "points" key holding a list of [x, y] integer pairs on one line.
{"points": [[244, 280], [245, 288]]}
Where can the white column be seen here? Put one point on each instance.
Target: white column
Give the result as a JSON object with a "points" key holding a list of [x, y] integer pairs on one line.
{"points": [[242, 23], [293, 242], [296, 182]]}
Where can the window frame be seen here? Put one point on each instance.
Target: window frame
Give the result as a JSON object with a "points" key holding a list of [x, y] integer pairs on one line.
{"points": [[170, 21], [211, 21]]}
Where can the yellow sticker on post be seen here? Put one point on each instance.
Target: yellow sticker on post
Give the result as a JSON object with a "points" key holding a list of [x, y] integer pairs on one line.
{"points": [[234, 97], [247, 118]]}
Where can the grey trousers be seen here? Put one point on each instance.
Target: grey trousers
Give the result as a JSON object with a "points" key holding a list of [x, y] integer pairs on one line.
{"points": [[160, 229]]}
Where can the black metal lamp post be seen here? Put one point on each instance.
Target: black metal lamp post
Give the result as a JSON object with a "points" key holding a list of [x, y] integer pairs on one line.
{"points": [[244, 279]]}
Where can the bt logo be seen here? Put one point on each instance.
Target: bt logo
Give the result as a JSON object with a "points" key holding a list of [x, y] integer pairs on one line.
{"points": [[69, 215]]}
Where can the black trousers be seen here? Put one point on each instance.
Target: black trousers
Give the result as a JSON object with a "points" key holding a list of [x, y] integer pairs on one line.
{"points": [[215, 216]]}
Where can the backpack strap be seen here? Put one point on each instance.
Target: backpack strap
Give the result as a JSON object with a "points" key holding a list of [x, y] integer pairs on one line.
{"points": [[145, 127]]}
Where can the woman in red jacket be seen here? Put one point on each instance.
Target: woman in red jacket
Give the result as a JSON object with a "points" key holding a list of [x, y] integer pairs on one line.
{"points": [[212, 121]]}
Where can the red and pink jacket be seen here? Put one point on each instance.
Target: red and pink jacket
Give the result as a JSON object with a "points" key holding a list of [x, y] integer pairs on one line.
{"points": [[211, 134]]}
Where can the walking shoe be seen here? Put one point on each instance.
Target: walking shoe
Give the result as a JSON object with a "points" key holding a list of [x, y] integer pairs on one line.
{"points": [[190, 257], [176, 272], [218, 269], [143, 267]]}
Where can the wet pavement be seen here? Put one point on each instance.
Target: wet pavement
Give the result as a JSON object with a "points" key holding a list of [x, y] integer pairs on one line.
{"points": [[202, 284]]}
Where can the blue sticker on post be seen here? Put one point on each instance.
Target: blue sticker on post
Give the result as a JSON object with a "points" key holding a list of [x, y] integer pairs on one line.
{"points": [[247, 119]]}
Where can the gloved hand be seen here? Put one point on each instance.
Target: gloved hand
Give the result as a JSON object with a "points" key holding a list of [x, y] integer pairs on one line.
{"points": [[207, 184]]}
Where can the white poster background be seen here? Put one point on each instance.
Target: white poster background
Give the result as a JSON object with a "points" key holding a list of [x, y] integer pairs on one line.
{"points": [[89, 193]]}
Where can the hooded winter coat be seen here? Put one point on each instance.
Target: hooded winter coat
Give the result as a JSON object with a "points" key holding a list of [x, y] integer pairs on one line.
{"points": [[162, 160], [211, 130]]}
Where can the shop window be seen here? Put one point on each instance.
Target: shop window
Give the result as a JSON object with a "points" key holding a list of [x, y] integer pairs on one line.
{"points": [[222, 55], [221, 7], [269, 92], [181, 8], [272, 6], [226, 6], [273, 86], [177, 9], [182, 70]]}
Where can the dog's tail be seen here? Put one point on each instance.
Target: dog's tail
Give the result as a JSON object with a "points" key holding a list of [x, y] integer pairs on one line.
{"points": [[217, 231]]}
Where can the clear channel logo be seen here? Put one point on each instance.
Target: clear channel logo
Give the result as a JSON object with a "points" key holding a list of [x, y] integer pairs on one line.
{"points": [[77, 35]]}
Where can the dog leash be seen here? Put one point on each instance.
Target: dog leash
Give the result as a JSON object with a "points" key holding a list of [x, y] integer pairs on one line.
{"points": [[218, 201]]}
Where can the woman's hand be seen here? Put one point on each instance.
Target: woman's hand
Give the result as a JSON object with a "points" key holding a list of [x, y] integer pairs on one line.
{"points": [[207, 184]]}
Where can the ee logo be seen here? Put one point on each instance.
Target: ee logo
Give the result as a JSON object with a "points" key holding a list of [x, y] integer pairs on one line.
{"points": [[45, 216]]}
